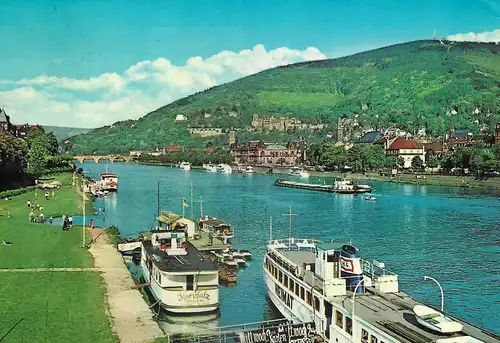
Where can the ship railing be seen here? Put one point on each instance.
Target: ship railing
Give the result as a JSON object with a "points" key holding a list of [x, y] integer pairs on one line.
{"points": [[374, 269], [227, 334], [293, 243]]}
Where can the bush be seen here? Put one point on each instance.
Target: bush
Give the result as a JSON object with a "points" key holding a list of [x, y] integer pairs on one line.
{"points": [[113, 234], [16, 192]]}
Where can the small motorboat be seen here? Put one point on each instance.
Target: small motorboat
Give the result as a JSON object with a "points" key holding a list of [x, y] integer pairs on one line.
{"points": [[229, 262], [227, 276], [240, 261], [185, 166], [435, 320], [245, 254], [370, 198], [296, 171]]}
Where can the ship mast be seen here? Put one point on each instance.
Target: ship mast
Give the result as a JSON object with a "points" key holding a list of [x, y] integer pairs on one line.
{"points": [[158, 199], [270, 229], [290, 214], [201, 207], [192, 191]]}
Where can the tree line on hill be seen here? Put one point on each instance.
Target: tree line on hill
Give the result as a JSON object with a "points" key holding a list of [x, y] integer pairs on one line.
{"points": [[367, 157], [24, 160], [194, 157]]}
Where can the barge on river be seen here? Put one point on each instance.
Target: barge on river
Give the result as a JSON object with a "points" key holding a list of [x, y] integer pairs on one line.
{"points": [[344, 186], [181, 278], [352, 300]]}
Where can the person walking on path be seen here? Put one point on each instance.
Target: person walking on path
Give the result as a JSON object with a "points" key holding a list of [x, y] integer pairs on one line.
{"points": [[70, 221], [91, 223], [50, 220], [32, 217], [42, 218]]}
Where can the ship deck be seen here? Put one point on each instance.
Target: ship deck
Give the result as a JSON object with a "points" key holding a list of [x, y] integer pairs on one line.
{"points": [[393, 314], [194, 260]]}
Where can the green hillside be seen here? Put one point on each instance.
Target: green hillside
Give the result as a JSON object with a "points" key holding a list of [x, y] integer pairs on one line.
{"points": [[65, 132], [410, 85]]}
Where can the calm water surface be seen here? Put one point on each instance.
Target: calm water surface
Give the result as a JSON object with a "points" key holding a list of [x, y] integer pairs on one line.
{"points": [[450, 234]]}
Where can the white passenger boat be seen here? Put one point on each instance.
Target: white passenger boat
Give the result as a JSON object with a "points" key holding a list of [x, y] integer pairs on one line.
{"points": [[109, 181], [210, 168], [434, 320], [224, 168], [296, 171], [181, 279], [249, 170], [185, 166], [346, 299]]}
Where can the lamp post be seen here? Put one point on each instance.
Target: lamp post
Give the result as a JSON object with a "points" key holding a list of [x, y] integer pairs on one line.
{"points": [[440, 288], [353, 296]]}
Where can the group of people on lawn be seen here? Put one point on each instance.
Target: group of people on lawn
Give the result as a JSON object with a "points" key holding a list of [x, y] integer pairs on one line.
{"points": [[34, 206]]}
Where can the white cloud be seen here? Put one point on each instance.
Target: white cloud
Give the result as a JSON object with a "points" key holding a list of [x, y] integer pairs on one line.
{"points": [[488, 36], [111, 96]]}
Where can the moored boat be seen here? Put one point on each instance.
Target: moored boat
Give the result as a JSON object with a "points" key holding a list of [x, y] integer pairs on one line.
{"points": [[371, 198], [181, 279], [245, 254], [296, 171], [210, 168], [185, 166], [218, 228], [347, 299], [224, 168], [249, 170], [226, 275], [109, 182], [229, 262]]}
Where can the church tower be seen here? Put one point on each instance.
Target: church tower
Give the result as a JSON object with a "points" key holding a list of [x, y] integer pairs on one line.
{"points": [[232, 138]]}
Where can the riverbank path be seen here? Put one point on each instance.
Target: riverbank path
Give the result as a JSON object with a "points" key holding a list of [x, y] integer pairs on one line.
{"points": [[132, 320]]}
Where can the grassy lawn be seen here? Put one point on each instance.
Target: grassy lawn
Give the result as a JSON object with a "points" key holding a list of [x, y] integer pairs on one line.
{"points": [[56, 307], [41, 245]]}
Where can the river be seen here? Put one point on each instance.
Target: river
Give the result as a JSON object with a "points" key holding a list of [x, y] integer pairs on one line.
{"points": [[450, 234]]}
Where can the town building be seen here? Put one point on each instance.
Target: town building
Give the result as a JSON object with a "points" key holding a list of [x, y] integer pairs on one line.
{"points": [[372, 137], [180, 117], [497, 133], [404, 148], [5, 124], [21, 131], [282, 124], [259, 153], [206, 131], [172, 148]]}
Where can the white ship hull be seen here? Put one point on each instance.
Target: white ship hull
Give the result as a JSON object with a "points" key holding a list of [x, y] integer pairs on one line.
{"points": [[298, 313], [182, 302]]}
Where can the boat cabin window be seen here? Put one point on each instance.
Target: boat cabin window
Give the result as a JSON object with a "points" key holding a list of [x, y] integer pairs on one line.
{"points": [[308, 298], [373, 339], [285, 281], [280, 276], [189, 282], [333, 256], [292, 285], [302, 293], [316, 303], [297, 289], [339, 319], [348, 325], [364, 336]]}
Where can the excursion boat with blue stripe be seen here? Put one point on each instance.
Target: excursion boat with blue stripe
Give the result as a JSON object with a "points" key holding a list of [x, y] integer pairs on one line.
{"points": [[348, 299]]}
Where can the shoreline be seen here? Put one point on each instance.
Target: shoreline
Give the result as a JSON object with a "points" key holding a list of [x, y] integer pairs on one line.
{"points": [[429, 180]]}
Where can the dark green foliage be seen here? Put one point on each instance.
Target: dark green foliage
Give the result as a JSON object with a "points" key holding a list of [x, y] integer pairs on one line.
{"points": [[195, 157], [411, 85], [62, 133], [12, 156], [417, 163]]}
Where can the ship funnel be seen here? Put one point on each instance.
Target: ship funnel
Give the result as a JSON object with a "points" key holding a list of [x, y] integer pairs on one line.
{"points": [[351, 268]]}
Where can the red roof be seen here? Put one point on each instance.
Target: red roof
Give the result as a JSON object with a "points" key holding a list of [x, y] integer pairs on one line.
{"points": [[402, 143]]}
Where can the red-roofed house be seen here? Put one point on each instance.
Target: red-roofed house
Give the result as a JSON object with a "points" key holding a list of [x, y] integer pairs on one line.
{"points": [[405, 148], [171, 148]]}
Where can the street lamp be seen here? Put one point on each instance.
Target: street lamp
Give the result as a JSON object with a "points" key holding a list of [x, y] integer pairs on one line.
{"points": [[440, 288], [353, 296]]}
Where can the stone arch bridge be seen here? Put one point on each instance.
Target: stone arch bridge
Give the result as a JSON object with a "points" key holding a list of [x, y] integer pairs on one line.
{"points": [[97, 159]]}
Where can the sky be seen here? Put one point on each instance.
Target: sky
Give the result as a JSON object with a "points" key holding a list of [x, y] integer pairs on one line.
{"points": [[92, 63]]}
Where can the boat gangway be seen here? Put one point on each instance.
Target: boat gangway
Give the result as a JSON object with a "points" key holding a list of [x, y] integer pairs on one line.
{"points": [[230, 334]]}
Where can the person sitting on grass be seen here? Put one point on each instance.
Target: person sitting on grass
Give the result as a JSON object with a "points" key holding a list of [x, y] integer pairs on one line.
{"points": [[4, 242]]}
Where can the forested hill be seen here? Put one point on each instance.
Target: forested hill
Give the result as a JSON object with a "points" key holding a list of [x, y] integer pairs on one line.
{"points": [[411, 85]]}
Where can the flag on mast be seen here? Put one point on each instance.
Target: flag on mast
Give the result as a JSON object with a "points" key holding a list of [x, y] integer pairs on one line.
{"points": [[184, 203]]}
